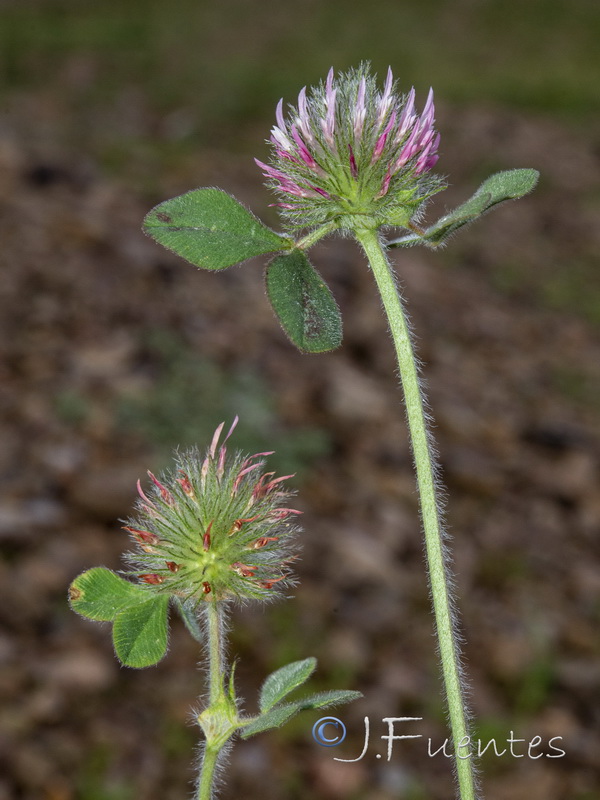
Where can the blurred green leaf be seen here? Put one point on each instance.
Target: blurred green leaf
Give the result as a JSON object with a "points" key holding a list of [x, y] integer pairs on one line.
{"points": [[210, 229], [183, 382], [508, 185], [140, 632], [284, 680], [100, 594], [96, 779], [303, 303]]}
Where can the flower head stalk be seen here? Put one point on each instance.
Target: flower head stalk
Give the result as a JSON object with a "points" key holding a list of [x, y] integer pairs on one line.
{"points": [[350, 154], [216, 528]]}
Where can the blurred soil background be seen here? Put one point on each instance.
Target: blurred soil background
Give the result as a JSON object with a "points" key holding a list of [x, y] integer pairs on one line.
{"points": [[113, 352]]}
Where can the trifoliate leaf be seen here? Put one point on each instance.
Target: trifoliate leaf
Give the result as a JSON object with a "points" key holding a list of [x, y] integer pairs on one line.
{"points": [[508, 185], [284, 680], [210, 229], [140, 632], [303, 303], [101, 594]]}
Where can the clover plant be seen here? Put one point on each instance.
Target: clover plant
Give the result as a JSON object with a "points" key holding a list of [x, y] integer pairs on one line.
{"points": [[352, 159]]}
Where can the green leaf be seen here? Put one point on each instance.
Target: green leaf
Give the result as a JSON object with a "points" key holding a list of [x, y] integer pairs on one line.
{"points": [[284, 680], [303, 303], [140, 632], [101, 594], [327, 699], [272, 719], [508, 185], [467, 212], [187, 611], [210, 229], [279, 714]]}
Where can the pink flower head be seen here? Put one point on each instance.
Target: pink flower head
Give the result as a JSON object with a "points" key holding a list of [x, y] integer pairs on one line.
{"points": [[350, 149]]}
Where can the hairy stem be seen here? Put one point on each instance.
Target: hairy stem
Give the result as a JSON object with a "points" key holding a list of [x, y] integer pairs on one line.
{"points": [[430, 511], [215, 651], [314, 236], [218, 722], [207, 771]]}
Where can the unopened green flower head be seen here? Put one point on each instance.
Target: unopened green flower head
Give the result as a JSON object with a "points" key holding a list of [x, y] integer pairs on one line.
{"points": [[217, 527], [352, 155]]}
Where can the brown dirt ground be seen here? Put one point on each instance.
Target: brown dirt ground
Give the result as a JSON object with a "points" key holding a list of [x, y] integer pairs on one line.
{"points": [[513, 385]]}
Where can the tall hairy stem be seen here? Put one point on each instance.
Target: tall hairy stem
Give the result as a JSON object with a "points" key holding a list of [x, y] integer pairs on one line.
{"points": [[439, 573]]}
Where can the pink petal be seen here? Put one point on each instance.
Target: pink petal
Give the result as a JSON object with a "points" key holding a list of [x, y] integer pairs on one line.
{"points": [[406, 117], [359, 110], [302, 148], [386, 184], [279, 115], [329, 84], [217, 433], [303, 118], [383, 138], [280, 139], [408, 149], [384, 102], [270, 172], [233, 427], [320, 191], [328, 124]]}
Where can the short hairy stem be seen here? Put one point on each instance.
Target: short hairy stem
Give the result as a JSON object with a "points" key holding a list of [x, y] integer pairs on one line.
{"points": [[434, 545], [207, 771], [215, 650], [215, 720], [314, 236]]}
